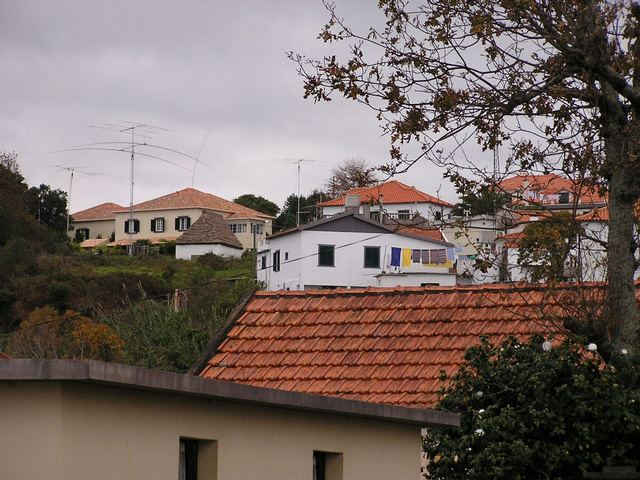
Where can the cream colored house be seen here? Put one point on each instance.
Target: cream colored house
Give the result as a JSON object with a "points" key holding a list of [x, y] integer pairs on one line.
{"points": [[166, 218], [95, 223], [73, 420]]}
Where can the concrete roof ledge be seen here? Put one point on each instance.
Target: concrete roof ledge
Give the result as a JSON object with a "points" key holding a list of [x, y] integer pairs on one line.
{"points": [[124, 376]]}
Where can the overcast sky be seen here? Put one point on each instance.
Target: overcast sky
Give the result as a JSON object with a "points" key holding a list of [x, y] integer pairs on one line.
{"points": [[211, 79]]}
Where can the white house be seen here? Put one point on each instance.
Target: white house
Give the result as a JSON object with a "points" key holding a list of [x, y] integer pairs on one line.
{"points": [[390, 203], [208, 234], [592, 247], [350, 250]]}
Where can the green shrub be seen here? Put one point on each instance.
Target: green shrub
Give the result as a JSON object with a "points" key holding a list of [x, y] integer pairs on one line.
{"points": [[529, 412]]}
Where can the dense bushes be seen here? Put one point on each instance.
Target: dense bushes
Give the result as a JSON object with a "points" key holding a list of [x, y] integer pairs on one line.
{"points": [[535, 411]]}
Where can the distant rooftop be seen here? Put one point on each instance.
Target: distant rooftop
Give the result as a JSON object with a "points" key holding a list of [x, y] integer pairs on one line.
{"points": [[392, 192], [105, 211]]}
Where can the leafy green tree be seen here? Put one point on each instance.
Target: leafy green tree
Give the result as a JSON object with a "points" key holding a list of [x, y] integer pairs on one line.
{"points": [[258, 203], [483, 201], [49, 207], [536, 411], [545, 246], [553, 82], [15, 221], [308, 211]]}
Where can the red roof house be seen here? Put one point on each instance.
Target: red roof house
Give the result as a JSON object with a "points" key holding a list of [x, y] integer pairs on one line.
{"points": [[399, 203], [551, 191]]}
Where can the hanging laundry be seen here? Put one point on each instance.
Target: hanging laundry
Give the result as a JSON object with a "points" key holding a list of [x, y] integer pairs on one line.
{"points": [[406, 257], [451, 254], [395, 256]]}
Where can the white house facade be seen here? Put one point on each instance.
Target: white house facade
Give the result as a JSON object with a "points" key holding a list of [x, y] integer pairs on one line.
{"points": [[350, 251]]}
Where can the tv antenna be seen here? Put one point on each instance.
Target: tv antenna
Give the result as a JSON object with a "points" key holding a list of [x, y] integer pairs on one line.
{"points": [[298, 164], [72, 170]]}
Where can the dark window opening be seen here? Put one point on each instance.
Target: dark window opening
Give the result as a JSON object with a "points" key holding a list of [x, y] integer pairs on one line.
{"points": [[188, 460], [326, 255], [276, 261], [371, 257], [198, 459], [327, 466], [82, 234], [564, 197]]}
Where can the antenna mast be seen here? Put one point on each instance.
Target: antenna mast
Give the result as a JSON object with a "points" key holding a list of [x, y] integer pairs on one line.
{"points": [[131, 228], [298, 212]]}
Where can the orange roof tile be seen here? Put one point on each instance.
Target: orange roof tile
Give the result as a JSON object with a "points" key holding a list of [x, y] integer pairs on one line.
{"points": [[430, 233], [603, 215], [192, 198], [383, 345], [392, 192], [550, 184], [105, 211], [511, 239], [598, 214]]}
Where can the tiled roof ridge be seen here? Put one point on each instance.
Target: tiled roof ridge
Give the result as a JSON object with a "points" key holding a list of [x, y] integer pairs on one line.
{"points": [[198, 199], [492, 287], [367, 193]]}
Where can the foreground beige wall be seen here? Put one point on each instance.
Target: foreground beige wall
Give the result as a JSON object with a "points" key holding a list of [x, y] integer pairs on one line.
{"points": [[78, 431]]}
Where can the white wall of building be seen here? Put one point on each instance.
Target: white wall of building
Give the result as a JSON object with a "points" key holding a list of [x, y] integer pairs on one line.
{"points": [[425, 210], [299, 269]]}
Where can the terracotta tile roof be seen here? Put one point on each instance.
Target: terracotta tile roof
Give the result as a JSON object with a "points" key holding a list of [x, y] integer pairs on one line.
{"points": [[379, 345], [393, 192], [602, 214], [94, 242], [192, 198], [106, 211], [548, 186], [125, 241], [209, 229], [528, 216], [430, 233], [511, 239], [598, 214]]}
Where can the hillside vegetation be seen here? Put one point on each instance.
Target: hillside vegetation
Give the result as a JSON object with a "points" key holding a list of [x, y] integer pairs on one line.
{"points": [[130, 298]]}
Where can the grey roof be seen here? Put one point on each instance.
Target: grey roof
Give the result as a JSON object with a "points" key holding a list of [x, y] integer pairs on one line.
{"points": [[135, 378], [209, 229]]}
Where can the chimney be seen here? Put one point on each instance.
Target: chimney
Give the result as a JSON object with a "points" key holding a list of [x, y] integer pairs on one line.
{"points": [[352, 203]]}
